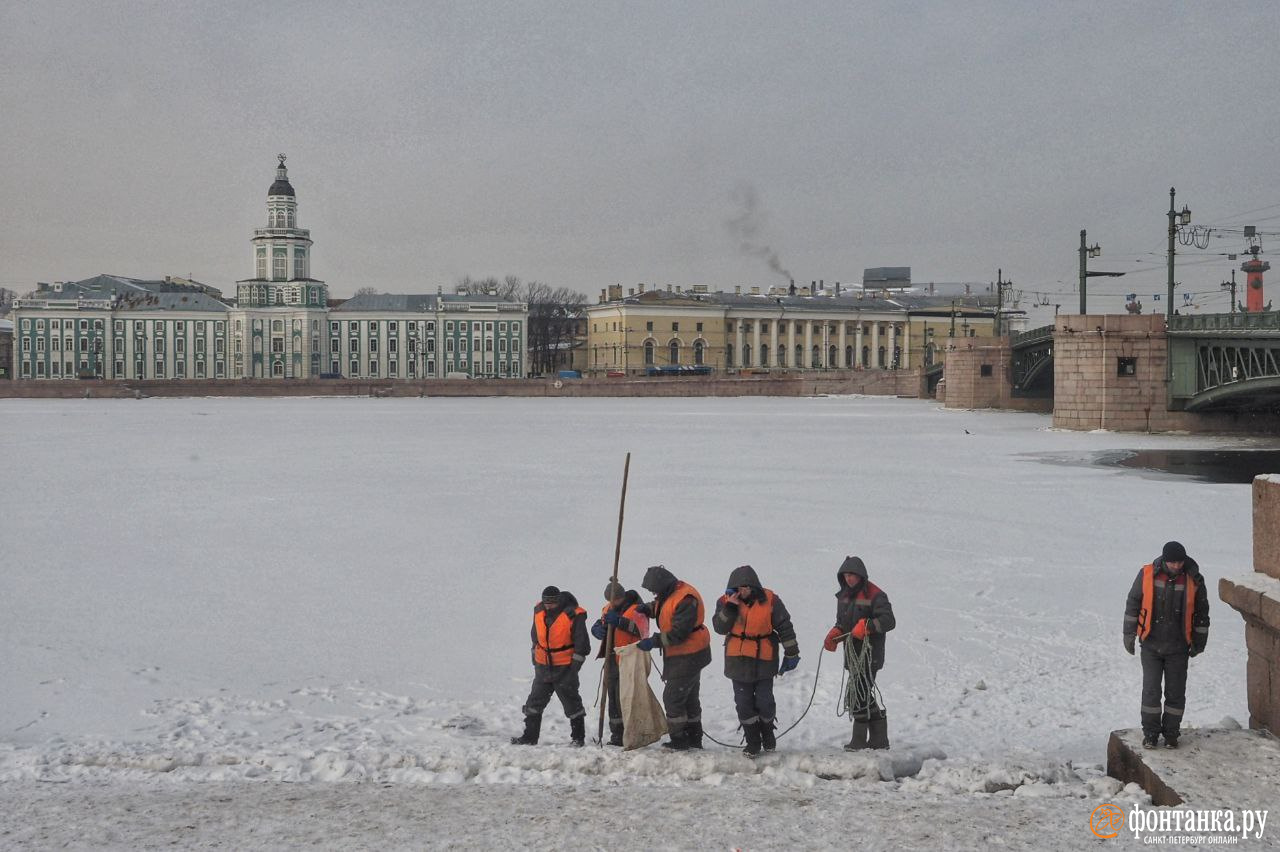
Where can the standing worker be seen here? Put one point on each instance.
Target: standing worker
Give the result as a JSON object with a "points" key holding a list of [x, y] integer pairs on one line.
{"points": [[560, 645], [754, 621], [864, 614], [1168, 609], [686, 650], [622, 612]]}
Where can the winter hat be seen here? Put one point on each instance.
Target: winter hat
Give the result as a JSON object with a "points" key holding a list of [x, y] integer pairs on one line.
{"points": [[550, 596], [853, 565], [613, 590], [1173, 552]]}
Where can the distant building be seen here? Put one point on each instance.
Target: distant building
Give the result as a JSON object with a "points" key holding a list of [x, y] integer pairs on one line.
{"points": [[282, 325], [776, 329], [6, 349], [886, 277]]}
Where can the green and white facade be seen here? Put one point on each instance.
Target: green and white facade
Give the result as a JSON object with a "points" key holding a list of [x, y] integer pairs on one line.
{"points": [[279, 327]]}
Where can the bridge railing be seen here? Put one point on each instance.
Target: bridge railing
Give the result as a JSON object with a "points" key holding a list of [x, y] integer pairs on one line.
{"points": [[1030, 336], [1191, 323]]}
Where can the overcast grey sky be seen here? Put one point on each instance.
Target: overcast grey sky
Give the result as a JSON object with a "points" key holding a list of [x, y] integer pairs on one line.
{"points": [[596, 143]]}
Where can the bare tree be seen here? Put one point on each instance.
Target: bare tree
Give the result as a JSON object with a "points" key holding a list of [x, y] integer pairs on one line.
{"points": [[553, 315], [367, 291], [6, 300]]}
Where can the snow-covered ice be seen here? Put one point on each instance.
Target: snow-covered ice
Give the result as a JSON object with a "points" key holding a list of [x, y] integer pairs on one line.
{"points": [[203, 597]]}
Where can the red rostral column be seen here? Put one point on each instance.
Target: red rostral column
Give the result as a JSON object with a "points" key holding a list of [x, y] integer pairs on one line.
{"points": [[1253, 287]]}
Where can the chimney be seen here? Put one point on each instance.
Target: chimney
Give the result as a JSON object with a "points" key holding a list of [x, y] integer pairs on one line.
{"points": [[737, 290], [822, 285], [966, 289], [602, 299], [640, 286], [837, 288], [631, 291], [668, 288], [755, 291]]}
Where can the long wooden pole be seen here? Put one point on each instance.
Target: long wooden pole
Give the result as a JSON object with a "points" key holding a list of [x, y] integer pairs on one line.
{"points": [[608, 640]]}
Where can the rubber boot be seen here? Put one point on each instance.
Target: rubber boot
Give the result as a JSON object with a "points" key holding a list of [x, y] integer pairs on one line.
{"points": [[752, 731], [532, 726], [878, 733], [678, 741], [615, 733], [693, 734], [578, 730], [767, 738], [859, 740]]}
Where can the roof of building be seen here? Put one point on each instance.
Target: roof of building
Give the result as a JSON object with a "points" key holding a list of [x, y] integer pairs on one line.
{"points": [[871, 301], [416, 303], [133, 293], [280, 187]]}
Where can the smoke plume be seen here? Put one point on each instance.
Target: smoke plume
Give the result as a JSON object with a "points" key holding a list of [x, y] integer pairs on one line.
{"points": [[746, 228]]}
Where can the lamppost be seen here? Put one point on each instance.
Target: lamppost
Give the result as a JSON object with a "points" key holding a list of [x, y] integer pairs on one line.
{"points": [[1176, 220], [1231, 285], [1086, 251]]}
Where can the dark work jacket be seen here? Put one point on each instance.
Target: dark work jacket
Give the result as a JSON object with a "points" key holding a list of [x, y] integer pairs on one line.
{"points": [[625, 625], [751, 669], [1169, 601], [850, 609], [581, 642], [684, 621]]}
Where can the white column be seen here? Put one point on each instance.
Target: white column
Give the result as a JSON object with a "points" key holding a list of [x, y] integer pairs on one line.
{"points": [[893, 342], [773, 343], [857, 345], [906, 345], [808, 344], [875, 345], [737, 345], [791, 343], [840, 354], [755, 343]]}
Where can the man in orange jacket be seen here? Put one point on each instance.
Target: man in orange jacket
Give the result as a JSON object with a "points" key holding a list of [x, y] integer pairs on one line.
{"points": [[560, 646], [686, 650], [1168, 609], [622, 612]]}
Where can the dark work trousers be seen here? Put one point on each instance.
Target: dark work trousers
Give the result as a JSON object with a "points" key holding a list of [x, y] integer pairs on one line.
{"points": [[1172, 668], [613, 695], [564, 686], [871, 709], [681, 704], [754, 701]]}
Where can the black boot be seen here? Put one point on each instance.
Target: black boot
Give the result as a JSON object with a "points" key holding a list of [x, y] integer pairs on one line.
{"points": [[578, 730], [878, 733], [678, 741], [767, 739], [752, 730], [615, 733], [859, 740], [532, 725], [693, 734]]}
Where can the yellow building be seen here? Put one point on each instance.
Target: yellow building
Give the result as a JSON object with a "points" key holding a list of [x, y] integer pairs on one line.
{"points": [[775, 330]]}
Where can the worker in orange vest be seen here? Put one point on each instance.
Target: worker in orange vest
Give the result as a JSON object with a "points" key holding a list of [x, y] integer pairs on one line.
{"points": [[560, 646], [685, 643], [1168, 609], [630, 625], [754, 622]]}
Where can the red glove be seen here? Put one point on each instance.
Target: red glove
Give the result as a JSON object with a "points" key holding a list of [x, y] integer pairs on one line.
{"points": [[860, 629], [833, 638]]}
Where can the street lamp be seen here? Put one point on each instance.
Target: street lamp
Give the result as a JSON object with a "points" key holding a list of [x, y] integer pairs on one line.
{"points": [[1176, 221], [1086, 251]]}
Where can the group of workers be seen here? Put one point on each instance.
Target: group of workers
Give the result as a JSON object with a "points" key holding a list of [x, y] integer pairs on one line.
{"points": [[759, 645], [1167, 609]]}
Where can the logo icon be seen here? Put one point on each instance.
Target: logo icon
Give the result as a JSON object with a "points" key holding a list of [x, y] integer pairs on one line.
{"points": [[1106, 821]]}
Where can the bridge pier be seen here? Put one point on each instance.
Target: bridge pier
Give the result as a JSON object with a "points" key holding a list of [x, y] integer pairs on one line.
{"points": [[980, 375]]}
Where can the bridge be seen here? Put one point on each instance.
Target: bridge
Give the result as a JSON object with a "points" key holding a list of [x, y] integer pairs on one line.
{"points": [[1032, 362], [1225, 362]]}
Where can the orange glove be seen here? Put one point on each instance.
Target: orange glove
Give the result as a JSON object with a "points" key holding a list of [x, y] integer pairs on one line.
{"points": [[860, 629], [833, 638]]}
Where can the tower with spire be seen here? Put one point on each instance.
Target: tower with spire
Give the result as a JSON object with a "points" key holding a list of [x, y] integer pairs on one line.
{"points": [[282, 255]]}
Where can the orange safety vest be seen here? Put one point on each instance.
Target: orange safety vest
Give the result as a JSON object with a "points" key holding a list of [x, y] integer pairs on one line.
{"points": [[555, 643], [1148, 602], [754, 626], [622, 638], [699, 638]]}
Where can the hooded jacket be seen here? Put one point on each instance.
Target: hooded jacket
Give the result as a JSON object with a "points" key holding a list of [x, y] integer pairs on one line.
{"points": [[684, 624], [632, 625], [864, 599], [567, 605], [760, 660], [1168, 610]]}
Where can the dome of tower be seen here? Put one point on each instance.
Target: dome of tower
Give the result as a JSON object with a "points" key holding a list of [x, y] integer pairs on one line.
{"points": [[281, 185]]}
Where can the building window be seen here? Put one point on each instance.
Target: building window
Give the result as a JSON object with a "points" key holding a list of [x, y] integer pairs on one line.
{"points": [[118, 372], [391, 345], [277, 345], [334, 345], [985, 371], [373, 368], [515, 328], [39, 369], [431, 344], [1126, 366], [699, 328], [648, 326], [648, 353], [200, 327], [431, 328], [413, 369], [219, 369], [393, 328], [180, 370], [431, 368], [54, 371], [488, 327], [373, 345], [159, 369], [277, 326], [277, 369], [502, 344], [333, 328], [373, 327], [279, 264], [355, 368], [673, 351], [698, 352], [392, 368], [220, 327]]}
